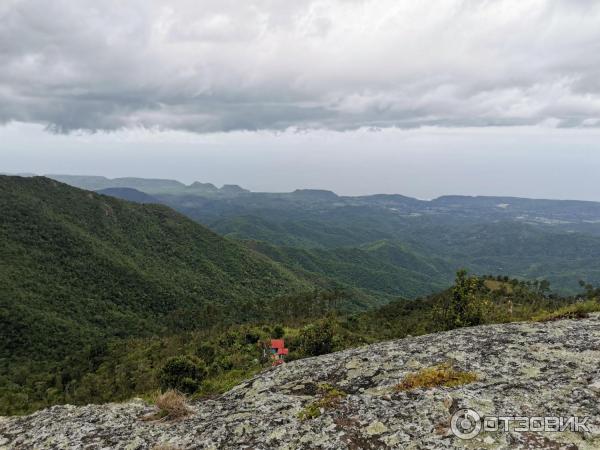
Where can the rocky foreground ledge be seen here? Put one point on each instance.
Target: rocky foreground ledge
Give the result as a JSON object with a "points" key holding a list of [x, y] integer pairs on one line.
{"points": [[524, 369]]}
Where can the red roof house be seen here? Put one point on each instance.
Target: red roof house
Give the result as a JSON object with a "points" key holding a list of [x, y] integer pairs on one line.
{"points": [[277, 343], [278, 350]]}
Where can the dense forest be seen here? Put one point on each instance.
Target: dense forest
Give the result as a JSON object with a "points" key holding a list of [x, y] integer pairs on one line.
{"points": [[204, 363], [78, 266], [413, 247]]}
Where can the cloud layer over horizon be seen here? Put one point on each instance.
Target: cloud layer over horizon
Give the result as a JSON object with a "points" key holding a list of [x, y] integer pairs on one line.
{"points": [[212, 66]]}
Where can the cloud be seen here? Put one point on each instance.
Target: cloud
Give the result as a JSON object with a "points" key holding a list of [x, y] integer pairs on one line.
{"points": [[222, 65]]}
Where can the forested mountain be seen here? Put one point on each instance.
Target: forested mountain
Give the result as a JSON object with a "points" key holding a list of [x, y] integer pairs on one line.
{"points": [[385, 268], [97, 293], [331, 235], [129, 194], [78, 267]]}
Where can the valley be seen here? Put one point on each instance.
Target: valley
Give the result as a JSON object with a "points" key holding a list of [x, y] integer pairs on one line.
{"points": [[99, 292], [482, 234]]}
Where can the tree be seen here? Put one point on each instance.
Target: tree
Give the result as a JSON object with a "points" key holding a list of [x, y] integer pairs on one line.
{"points": [[278, 332], [317, 339], [183, 373], [544, 287], [590, 292], [467, 305]]}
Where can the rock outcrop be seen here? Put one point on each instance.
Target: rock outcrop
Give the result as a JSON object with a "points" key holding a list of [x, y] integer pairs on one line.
{"points": [[523, 369]]}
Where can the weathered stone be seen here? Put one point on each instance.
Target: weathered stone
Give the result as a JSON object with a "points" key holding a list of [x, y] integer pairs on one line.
{"points": [[524, 369], [376, 428]]}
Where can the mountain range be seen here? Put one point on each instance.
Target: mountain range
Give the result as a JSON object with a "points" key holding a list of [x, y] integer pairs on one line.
{"points": [[78, 267], [96, 290], [336, 236]]}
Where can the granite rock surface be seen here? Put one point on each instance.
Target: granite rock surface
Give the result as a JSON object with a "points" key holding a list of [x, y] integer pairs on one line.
{"points": [[523, 369]]}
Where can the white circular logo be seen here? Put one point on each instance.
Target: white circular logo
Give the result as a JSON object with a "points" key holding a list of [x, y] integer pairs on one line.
{"points": [[465, 424]]}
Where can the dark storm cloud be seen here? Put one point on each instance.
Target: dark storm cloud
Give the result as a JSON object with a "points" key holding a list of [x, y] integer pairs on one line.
{"points": [[227, 65]]}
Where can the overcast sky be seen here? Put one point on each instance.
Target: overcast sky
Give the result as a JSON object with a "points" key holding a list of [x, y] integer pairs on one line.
{"points": [[420, 98]]}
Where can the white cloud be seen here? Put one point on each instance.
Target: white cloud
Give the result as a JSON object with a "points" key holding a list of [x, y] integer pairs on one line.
{"points": [[226, 65]]}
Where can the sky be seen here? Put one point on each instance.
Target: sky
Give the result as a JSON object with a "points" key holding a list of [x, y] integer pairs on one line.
{"points": [[496, 97]]}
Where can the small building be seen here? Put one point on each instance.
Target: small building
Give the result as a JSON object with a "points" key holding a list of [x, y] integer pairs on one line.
{"points": [[278, 351]]}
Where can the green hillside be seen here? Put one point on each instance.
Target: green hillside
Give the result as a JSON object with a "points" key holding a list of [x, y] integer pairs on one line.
{"points": [[77, 267], [384, 268], [337, 237], [521, 250], [412, 257], [133, 367]]}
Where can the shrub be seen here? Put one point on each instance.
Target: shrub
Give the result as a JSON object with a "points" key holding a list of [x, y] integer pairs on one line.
{"points": [[317, 339], [206, 352], [172, 404], [251, 337], [436, 376], [224, 363], [278, 332], [184, 373]]}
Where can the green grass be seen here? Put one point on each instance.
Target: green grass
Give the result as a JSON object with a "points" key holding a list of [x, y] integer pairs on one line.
{"points": [[575, 311]]}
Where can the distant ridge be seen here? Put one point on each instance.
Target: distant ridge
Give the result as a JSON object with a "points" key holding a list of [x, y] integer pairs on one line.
{"points": [[129, 194], [168, 186], [320, 194], [152, 186]]}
